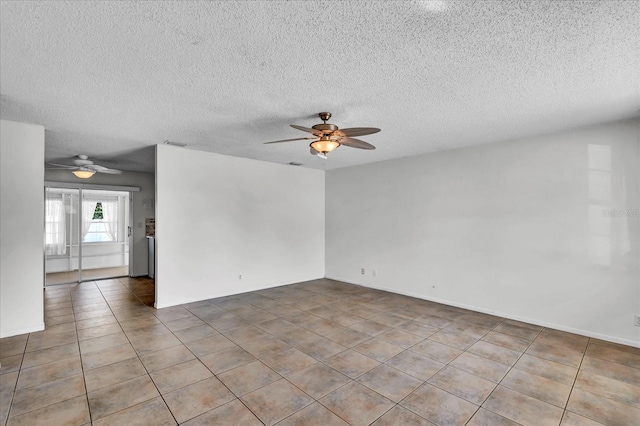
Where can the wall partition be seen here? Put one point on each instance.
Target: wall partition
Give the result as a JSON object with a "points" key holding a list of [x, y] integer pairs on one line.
{"points": [[228, 225], [87, 234], [21, 222]]}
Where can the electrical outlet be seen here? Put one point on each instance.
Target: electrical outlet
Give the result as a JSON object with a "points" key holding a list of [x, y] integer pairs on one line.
{"points": [[375, 273], [636, 320], [239, 277], [362, 271]]}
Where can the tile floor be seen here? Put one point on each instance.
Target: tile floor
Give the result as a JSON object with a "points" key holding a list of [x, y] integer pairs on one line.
{"points": [[321, 352], [55, 278]]}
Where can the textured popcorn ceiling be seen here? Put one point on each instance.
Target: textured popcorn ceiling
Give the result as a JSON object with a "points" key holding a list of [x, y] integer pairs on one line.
{"points": [[111, 79]]}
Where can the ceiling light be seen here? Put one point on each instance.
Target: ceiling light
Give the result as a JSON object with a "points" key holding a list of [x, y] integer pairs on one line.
{"points": [[325, 145], [83, 174], [434, 5]]}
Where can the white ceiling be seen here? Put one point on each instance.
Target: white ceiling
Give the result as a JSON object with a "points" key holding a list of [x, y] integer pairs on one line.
{"points": [[112, 78]]}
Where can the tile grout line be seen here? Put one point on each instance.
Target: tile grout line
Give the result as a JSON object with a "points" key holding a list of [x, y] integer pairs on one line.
{"points": [[521, 354], [138, 357], [80, 351], [505, 375], [239, 398], [573, 385], [20, 370], [426, 381], [198, 358], [465, 351], [15, 388], [575, 379], [320, 361], [347, 348], [78, 343], [284, 377], [84, 379]]}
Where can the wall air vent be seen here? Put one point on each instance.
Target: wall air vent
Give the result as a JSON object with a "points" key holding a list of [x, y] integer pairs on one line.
{"points": [[293, 163], [174, 143]]}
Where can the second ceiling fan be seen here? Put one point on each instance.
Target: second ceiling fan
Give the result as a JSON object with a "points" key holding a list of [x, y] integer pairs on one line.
{"points": [[328, 136]]}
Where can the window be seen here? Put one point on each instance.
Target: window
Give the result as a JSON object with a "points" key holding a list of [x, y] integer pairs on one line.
{"points": [[103, 221], [97, 233], [55, 229], [97, 213]]}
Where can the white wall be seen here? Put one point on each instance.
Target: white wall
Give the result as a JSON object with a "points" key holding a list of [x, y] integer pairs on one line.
{"points": [[518, 228], [218, 217], [143, 205], [21, 228]]}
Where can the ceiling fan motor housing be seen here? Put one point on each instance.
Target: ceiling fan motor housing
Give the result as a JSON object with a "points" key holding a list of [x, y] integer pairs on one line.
{"points": [[325, 128], [82, 162]]}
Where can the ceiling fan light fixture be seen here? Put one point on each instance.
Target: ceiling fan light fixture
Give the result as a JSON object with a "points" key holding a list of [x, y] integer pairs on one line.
{"points": [[330, 137], [83, 174], [325, 146]]}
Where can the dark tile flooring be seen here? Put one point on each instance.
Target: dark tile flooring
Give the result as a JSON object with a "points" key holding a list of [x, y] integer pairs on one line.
{"points": [[320, 352]]}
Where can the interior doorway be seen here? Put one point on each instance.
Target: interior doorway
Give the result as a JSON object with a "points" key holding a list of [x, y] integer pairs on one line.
{"points": [[87, 234]]}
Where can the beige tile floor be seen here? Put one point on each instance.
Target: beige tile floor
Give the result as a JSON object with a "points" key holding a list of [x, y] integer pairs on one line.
{"points": [[321, 352]]}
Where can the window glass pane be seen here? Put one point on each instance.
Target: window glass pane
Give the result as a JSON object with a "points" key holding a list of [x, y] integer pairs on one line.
{"points": [[97, 233]]}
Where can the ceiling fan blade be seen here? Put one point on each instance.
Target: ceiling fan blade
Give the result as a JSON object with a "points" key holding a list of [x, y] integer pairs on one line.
{"points": [[102, 169], [288, 140], [307, 129], [95, 167], [356, 143], [357, 131], [66, 166], [110, 171]]}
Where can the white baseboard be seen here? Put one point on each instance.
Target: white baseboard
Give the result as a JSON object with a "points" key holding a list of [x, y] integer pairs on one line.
{"points": [[534, 321], [216, 296]]}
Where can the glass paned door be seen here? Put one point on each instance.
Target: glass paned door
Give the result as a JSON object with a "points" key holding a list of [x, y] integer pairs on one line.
{"points": [[105, 234], [86, 234]]}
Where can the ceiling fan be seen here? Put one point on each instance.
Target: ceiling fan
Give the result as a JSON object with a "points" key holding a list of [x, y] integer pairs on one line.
{"points": [[328, 137], [85, 168]]}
